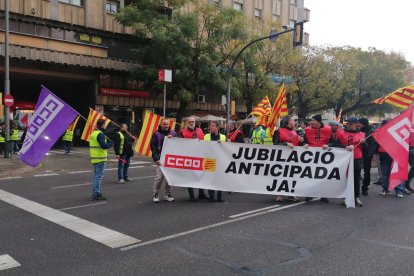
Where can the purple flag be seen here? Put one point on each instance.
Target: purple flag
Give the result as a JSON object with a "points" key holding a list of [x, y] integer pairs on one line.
{"points": [[50, 120]]}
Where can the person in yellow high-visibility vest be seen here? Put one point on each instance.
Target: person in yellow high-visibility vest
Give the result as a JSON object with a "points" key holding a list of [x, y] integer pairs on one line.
{"points": [[99, 155], [67, 140], [215, 135], [258, 135], [14, 138], [268, 139], [123, 150], [2, 138]]}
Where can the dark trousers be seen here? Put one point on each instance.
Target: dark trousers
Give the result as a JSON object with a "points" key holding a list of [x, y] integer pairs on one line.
{"points": [[212, 192], [385, 164], [1, 148], [367, 172], [358, 164], [191, 192], [123, 167], [410, 177], [67, 145]]}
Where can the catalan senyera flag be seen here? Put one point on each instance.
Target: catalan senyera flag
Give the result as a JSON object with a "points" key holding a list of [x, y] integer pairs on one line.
{"points": [[149, 127], [73, 124], [93, 118], [339, 118], [262, 121], [279, 109], [401, 98], [263, 108]]}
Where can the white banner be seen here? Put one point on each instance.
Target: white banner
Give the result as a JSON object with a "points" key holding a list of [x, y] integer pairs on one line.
{"points": [[259, 169]]}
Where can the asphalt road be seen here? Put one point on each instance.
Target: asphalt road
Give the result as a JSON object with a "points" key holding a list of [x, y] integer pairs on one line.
{"points": [[46, 222]]}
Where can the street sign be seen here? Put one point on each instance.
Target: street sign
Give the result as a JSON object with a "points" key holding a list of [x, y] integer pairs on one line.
{"points": [[8, 100], [165, 75], [273, 35]]}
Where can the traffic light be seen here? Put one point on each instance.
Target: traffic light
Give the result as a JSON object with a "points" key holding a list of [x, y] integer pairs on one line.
{"points": [[298, 34]]}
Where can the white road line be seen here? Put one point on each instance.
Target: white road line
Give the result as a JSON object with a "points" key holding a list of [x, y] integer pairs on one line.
{"points": [[70, 186], [254, 211], [142, 177], [86, 228], [76, 172], [139, 162], [10, 177], [45, 174], [209, 227], [7, 262], [81, 206]]}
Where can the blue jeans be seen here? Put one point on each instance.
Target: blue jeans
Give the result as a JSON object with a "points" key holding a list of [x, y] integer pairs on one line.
{"points": [[123, 168], [14, 148], [98, 172], [386, 166], [67, 146]]}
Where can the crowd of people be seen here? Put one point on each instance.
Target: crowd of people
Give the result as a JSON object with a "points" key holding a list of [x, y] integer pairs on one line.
{"points": [[356, 136], [15, 139]]}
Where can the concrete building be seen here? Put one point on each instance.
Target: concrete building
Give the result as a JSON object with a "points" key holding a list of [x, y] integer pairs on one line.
{"points": [[78, 50]]}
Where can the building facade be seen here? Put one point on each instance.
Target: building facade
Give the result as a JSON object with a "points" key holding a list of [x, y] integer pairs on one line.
{"points": [[78, 50]]}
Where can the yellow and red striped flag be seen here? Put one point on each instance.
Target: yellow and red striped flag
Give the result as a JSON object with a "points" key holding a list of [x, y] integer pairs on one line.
{"points": [[262, 121], [280, 108], [73, 125], [339, 118], [90, 126], [263, 108], [401, 98], [149, 127]]}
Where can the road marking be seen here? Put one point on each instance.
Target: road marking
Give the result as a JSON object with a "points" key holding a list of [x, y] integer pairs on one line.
{"points": [[81, 206], [7, 262], [10, 177], [45, 174], [142, 177], [83, 227], [70, 186], [75, 172], [209, 227], [254, 211], [139, 162]]}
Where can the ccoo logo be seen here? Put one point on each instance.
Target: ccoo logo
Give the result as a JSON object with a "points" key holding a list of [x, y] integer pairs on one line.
{"points": [[190, 163]]}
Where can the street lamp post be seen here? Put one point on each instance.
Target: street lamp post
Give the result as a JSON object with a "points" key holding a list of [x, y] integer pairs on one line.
{"points": [[6, 79], [272, 36]]}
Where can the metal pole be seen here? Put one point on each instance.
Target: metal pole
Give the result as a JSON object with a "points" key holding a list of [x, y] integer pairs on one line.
{"points": [[165, 98], [231, 69], [6, 79]]}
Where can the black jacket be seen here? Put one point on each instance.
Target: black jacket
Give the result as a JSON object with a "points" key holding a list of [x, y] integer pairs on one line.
{"points": [[368, 149], [158, 140], [127, 149]]}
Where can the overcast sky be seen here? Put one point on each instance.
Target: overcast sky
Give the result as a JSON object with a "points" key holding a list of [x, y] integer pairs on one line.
{"points": [[385, 25]]}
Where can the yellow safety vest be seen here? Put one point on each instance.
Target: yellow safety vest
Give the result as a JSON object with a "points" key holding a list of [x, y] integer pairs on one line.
{"points": [[97, 153], [268, 140], [121, 145], [207, 137], [2, 139], [15, 135], [68, 136], [257, 136]]}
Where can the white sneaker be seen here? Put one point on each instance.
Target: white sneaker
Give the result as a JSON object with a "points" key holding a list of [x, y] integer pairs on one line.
{"points": [[169, 198], [385, 193], [358, 202], [121, 181], [155, 198], [400, 195]]}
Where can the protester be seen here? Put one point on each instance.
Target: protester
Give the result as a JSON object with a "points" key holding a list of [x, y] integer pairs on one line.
{"points": [[258, 134], [123, 150], [352, 139], [14, 138], [287, 135], [336, 129], [411, 172], [367, 153], [157, 142], [98, 151], [386, 166], [2, 138], [318, 135], [67, 140], [215, 135], [234, 135], [268, 139], [193, 132]]}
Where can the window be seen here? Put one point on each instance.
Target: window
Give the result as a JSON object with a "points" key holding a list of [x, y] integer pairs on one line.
{"points": [[57, 33], [73, 2], [238, 6], [42, 31], [111, 7], [293, 2], [258, 13]]}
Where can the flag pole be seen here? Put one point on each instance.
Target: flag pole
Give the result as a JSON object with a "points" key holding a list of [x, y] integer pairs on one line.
{"points": [[240, 125]]}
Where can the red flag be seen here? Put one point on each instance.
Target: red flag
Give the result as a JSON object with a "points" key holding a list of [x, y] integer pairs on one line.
{"points": [[394, 139]]}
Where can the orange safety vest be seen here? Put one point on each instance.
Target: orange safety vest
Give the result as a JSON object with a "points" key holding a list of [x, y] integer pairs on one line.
{"points": [[353, 138], [289, 136], [317, 137]]}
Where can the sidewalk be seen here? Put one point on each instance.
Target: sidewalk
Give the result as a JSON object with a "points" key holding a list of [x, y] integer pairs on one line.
{"points": [[11, 167]]}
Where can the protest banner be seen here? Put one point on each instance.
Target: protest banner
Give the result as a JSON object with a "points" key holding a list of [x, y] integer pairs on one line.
{"points": [[260, 169]]}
